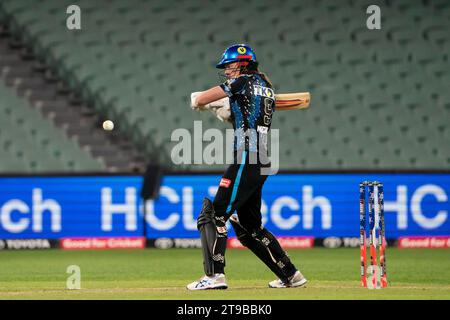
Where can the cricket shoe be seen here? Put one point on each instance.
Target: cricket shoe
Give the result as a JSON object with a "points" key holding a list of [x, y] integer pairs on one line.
{"points": [[297, 280], [204, 283]]}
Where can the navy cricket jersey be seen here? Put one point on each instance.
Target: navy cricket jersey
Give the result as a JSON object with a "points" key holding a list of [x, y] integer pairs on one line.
{"points": [[252, 103]]}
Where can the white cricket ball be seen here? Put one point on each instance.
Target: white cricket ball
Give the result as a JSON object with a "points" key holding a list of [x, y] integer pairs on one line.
{"points": [[108, 125]]}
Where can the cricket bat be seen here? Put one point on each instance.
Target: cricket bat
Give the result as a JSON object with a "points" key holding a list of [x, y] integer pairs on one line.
{"points": [[283, 101], [292, 101]]}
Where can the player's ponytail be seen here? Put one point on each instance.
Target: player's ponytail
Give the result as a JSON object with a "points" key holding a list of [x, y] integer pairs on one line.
{"points": [[252, 67], [266, 78]]}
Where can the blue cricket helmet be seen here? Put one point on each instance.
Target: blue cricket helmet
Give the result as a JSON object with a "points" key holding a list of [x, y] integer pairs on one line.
{"points": [[235, 53]]}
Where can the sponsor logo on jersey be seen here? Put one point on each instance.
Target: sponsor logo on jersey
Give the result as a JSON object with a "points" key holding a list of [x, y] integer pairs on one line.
{"points": [[225, 183], [222, 230], [263, 129], [263, 91]]}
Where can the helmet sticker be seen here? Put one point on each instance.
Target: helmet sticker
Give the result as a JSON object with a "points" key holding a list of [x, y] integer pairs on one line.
{"points": [[241, 50]]}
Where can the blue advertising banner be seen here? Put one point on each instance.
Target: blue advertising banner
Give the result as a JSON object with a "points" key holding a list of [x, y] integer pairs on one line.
{"points": [[319, 205]]}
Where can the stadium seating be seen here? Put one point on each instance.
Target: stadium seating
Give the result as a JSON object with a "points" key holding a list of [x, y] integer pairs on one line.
{"points": [[379, 97], [31, 143]]}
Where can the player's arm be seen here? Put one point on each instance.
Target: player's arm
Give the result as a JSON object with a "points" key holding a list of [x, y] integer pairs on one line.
{"points": [[203, 98], [214, 100]]}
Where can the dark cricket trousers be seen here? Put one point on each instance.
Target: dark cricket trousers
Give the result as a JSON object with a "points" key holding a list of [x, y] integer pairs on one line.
{"points": [[239, 190]]}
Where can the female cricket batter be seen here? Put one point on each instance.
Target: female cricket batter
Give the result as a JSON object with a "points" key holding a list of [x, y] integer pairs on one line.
{"points": [[252, 102]]}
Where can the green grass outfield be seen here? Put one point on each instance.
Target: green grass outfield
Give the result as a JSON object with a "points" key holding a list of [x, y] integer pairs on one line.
{"points": [[163, 274]]}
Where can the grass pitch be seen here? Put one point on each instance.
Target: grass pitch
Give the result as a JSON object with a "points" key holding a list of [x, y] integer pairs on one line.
{"points": [[163, 274]]}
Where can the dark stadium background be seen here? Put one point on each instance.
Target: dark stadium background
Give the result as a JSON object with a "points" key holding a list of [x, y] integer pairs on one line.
{"points": [[380, 110]]}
